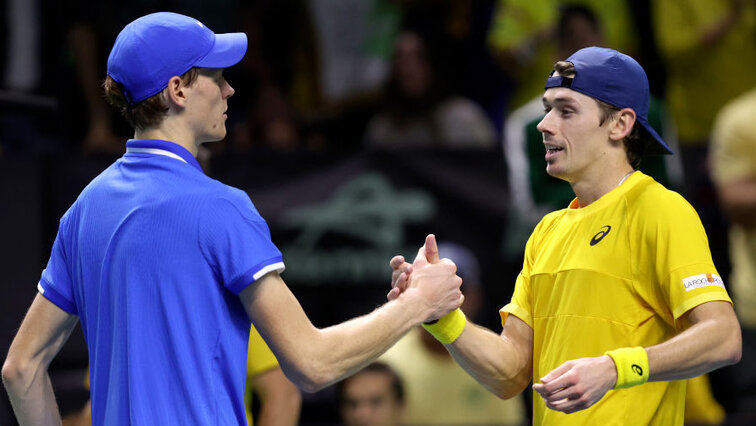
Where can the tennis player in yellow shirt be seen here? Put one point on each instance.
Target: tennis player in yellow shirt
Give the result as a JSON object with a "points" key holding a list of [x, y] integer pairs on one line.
{"points": [[618, 299]]}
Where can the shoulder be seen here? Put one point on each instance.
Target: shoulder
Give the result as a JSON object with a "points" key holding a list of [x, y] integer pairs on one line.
{"points": [[650, 196], [653, 206], [550, 219], [544, 227], [222, 199]]}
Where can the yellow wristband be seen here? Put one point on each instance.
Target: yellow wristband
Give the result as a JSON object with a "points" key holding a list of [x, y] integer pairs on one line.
{"points": [[448, 327], [632, 366]]}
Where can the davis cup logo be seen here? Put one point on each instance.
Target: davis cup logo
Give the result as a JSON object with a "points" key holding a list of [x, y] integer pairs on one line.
{"points": [[703, 280]]}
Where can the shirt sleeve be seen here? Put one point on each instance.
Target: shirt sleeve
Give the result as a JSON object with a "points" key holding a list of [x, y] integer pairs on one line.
{"points": [[56, 284], [683, 265], [236, 241]]}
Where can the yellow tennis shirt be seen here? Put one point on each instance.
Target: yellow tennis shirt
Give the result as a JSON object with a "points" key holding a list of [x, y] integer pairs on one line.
{"points": [[259, 360], [619, 272]]}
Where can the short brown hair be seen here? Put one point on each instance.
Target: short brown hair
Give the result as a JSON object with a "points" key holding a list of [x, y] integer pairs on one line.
{"points": [[397, 387], [147, 113], [635, 142]]}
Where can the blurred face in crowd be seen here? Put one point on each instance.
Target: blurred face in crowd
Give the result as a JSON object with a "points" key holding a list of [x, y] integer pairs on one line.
{"points": [[575, 142], [207, 105], [411, 66], [369, 400], [578, 32]]}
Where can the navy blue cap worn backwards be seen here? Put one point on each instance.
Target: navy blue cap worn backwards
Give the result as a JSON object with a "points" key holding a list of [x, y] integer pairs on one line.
{"points": [[614, 78], [154, 48]]}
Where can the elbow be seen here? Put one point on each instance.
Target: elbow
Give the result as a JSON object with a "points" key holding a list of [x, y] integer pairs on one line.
{"points": [[729, 348], [512, 391], [310, 377], [734, 350], [506, 394], [735, 357], [312, 384], [10, 373], [14, 373], [508, 389]]}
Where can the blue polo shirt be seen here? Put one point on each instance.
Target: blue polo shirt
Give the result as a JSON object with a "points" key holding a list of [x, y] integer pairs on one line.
{"points": [[151, 257]]}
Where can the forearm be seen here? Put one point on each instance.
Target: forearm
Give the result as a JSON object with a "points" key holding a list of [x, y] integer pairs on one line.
{"points": [[341, 350], [41, 335], [707, 345], [493, 360], [314, 358], [31, 395]]}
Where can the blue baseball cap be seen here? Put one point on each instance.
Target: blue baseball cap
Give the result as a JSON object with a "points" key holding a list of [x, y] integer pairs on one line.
{"points": [[154, 48], [614, 78]]}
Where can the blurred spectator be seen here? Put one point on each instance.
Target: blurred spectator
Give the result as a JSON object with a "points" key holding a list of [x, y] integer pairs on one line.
{"points": [[29, 52], [373, 396], [418, 112], [647, 52], [270, 123], [521, 38], [283, 51], [100, 135], [438, 390], [733, 155], [354, 41], [710, 51]]}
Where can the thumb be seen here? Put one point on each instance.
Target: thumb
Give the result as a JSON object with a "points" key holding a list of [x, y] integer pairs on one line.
{"points": [[428, 253], [431, 249], [421, 257]]}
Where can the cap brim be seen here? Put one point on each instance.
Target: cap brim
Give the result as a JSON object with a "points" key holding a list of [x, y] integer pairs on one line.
{"points": [[228, 50], [659, 147]]}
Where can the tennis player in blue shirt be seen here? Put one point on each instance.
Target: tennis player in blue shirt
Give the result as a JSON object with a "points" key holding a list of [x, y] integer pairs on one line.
{"points": [[164, 267]]}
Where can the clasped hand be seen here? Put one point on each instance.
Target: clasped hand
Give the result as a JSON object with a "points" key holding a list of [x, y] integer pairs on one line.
{"points": [[435, 280]]}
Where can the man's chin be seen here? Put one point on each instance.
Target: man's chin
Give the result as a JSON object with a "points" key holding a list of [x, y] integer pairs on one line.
{"points": [[555, 172], [214, 138]]}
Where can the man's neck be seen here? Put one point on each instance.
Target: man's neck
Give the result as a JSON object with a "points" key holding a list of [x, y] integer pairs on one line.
{"points": [[591, 188], [167, 133]]}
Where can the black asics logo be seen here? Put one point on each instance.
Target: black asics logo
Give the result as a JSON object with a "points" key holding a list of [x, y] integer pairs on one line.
{"points": [[637, 369], [601, 234]]}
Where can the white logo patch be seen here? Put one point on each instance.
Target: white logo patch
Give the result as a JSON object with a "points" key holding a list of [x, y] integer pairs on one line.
{"points": [[703, 280]]}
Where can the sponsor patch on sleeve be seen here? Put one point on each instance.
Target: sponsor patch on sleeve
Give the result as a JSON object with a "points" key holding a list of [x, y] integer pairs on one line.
{"points": [[704, 280]]}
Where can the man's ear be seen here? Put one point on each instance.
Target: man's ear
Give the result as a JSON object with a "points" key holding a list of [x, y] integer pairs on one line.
{"points": [[622, 125], [176, 92]]}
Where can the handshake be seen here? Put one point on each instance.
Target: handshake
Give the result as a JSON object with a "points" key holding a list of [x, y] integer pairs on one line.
{"points": [[431, 281]]}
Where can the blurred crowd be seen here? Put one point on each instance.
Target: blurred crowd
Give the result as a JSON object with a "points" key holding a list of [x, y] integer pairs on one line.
{"points": [[342, 76]]}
